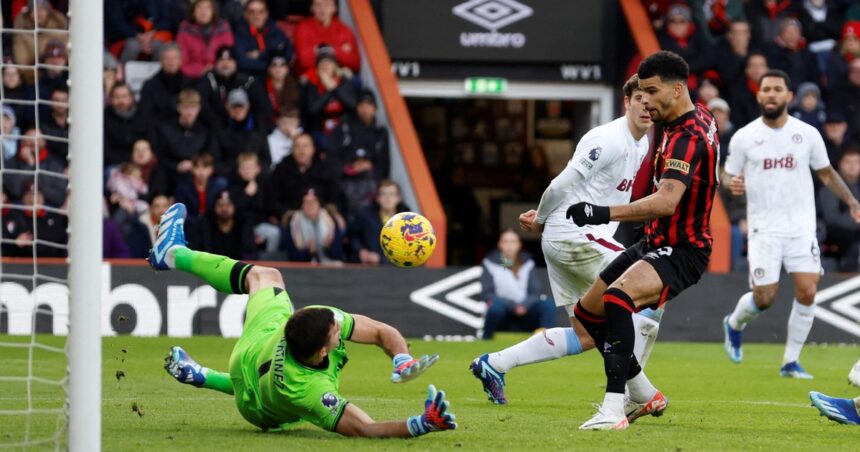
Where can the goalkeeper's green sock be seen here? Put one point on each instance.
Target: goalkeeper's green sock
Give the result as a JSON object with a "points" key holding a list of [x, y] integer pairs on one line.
{"points": [[224, 274], [219, 381]]}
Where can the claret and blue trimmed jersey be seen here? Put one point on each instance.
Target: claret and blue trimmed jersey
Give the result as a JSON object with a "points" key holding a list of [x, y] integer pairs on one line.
{"points": [[775, 164]]}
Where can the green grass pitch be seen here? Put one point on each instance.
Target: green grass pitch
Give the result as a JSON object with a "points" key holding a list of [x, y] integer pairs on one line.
{"points": [[714, 405]]}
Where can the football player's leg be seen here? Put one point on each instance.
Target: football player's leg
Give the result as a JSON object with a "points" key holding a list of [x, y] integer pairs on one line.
{"points": [[181, 366], [765, 260], [639, 285], [799, 323], [844, 411]]}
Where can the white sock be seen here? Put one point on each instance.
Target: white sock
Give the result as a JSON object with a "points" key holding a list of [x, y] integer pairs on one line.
{"points": [[799, 324], [745, 312], [641, 389], [613, 404], [646, 334], [549, 344]]}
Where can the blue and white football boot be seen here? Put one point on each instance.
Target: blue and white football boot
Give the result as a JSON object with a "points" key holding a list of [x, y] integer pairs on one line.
{"points": [[732, 341], [492, 380], [169, 234], [181, 366], [793, 370], [843, 411]]}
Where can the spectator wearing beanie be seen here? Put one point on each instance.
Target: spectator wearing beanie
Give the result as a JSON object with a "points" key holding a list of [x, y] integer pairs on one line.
{"points": [[807, 105], [681, 36], [325, 28], [201, 36], [241, 135], [225, 77]]}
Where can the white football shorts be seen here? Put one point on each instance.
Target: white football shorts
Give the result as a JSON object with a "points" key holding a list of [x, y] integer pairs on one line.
{"points": [[574, 263], [768, 254]]}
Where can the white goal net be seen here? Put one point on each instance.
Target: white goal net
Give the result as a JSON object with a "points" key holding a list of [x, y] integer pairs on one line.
{"points": [[50, 214]]}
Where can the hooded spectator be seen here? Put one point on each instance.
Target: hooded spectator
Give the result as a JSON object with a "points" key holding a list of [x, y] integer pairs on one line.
{"points": [[11, 131], [808, 106], [325, 28], [201, 36]]}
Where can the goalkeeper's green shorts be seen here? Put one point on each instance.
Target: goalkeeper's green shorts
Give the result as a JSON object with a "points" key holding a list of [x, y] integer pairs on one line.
{"points": [[267, 312]]}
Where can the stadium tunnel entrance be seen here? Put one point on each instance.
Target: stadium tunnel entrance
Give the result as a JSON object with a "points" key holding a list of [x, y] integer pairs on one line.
{"points": [[492, 155]]}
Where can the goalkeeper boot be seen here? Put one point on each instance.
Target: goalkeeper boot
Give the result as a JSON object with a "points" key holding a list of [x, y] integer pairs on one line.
{"points": [[604, 420], [181, 366], [654, 407], [843, 411], [732, 341], [492, 380], [169, 234], [793, 370]]}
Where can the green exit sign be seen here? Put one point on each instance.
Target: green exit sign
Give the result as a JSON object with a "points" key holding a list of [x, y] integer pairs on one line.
{"points": [[486, 85]]}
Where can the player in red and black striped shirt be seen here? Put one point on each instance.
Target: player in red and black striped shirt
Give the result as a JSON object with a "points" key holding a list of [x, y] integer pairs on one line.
{"points": [[675, 251]]}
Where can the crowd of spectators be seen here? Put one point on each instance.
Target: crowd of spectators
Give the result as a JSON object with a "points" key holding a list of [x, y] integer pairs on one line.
{"points": [[730, 44], [253, 116]]}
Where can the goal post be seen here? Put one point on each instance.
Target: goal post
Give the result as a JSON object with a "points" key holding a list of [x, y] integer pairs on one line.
{"points": [[86, 27]]}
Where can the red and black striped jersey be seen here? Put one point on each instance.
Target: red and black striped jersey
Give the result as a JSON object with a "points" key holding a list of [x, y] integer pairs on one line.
{"points": [[689, 153]]}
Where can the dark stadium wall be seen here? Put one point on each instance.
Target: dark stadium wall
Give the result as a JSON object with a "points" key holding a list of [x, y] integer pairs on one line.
{"points": [[419, 302]]}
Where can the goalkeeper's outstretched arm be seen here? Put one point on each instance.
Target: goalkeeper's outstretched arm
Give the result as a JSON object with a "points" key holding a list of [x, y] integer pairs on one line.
{"points": [[386, 337], [436, 417]]}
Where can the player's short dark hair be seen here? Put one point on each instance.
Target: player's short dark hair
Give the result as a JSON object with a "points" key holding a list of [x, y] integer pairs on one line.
{"points": [[666, 65], [776, 73], [632, 84], [307, 331]]}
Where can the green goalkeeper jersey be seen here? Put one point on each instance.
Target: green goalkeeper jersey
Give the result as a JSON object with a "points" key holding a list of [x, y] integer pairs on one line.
{"points": [[272, 388]]}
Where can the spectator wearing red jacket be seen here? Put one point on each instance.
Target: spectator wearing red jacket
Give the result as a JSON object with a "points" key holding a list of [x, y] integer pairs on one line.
{"points": [[200, 37], [325, 28]]}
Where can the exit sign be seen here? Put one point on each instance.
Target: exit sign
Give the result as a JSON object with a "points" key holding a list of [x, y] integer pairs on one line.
{"points": [[486, 85]]}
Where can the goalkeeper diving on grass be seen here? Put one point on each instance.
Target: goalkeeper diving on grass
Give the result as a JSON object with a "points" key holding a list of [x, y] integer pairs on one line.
{"points": [[285, 368]]}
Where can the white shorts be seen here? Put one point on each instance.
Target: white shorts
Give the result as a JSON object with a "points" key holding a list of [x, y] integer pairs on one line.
{"points": [[768, 254], [574, 264]]}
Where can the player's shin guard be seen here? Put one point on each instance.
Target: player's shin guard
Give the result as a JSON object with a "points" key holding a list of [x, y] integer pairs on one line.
{"points": [[594, 325], [620, 336], [224, 274]]}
